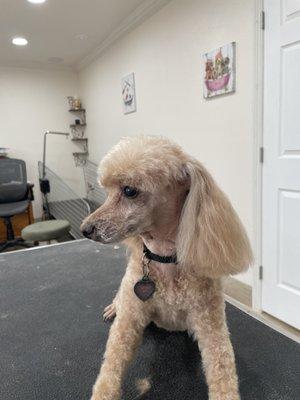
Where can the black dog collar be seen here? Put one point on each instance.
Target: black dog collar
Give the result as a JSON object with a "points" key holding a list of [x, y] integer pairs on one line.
{"points": [[161, 259], [145, 287]]}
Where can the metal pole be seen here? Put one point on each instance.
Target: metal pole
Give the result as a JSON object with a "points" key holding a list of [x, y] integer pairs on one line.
{"points": [[44, 165], [44, 148], [44, 155]]}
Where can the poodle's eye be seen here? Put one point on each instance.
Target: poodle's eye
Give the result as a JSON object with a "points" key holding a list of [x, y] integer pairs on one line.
{"points": [[130, 192]]}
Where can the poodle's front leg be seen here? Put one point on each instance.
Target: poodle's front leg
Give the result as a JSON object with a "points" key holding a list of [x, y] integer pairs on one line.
{"points": [[217, 354], [125, 335]]}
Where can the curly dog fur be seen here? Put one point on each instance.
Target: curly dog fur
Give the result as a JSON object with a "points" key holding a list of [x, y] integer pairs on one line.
{"points": [[178, 208]]}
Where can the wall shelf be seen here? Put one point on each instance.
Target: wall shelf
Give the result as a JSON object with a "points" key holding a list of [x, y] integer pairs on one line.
{"points": [[80, 158], [77, 110], [82, 141], [80, 153], [77, 125], [77, 134]]}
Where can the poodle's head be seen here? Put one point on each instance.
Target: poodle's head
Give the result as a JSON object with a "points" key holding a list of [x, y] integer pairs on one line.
{"points": [[152, 185], [144, 180]]}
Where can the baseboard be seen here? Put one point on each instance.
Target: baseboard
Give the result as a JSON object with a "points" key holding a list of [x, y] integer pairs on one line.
{"points": [[239, 291]]}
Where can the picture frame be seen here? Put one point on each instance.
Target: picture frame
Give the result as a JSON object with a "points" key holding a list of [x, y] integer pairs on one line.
{"points": [[128, 94], [219, 71]]}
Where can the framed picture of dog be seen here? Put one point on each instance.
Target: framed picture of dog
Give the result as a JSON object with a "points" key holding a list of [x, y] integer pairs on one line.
{"points": [[219, 71], [128, 94]]}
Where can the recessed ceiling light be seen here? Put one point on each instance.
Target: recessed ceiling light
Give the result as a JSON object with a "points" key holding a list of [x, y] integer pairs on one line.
{"points": [[20, 41], [81, 36], [36, 1]]}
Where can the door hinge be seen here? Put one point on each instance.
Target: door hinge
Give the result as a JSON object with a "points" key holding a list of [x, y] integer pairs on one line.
{"points": [[260, 272], [261, 154], [263, 20]]}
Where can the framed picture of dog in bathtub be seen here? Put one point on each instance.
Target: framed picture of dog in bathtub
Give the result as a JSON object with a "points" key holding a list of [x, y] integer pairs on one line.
{"points": [[219, 71]]}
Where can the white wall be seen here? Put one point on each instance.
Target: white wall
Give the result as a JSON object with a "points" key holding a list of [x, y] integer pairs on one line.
{"points": [[165, 54], [31, 102]]}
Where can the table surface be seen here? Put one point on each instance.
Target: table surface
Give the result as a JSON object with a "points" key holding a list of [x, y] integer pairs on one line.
{"points": [[52, 336]]}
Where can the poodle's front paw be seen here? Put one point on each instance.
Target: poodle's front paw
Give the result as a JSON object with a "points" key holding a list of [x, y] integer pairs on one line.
{"points": [[222, 396], [100, 397], [109, 313], [105, 394]]}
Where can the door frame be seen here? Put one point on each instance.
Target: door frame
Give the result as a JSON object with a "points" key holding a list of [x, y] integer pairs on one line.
{"points": [[258, 115]]}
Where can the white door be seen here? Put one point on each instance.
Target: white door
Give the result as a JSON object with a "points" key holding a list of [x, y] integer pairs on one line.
{"points": [[281, 168]]}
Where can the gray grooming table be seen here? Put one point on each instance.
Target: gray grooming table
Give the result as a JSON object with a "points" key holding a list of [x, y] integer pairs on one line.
{"points": [[52, 336]]}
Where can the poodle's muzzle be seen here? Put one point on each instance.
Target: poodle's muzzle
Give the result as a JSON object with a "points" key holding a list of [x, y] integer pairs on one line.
{"points": [[100, 231]]}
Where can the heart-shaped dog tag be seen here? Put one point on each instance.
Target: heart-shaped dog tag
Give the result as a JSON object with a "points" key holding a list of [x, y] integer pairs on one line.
{"points": [[144, 288]]}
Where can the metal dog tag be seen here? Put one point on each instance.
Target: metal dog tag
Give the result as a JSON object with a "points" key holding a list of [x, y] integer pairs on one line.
{"points": [[144, 288]]}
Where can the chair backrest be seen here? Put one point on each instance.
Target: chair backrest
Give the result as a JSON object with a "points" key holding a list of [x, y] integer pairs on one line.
{"points": [[13, 180]]}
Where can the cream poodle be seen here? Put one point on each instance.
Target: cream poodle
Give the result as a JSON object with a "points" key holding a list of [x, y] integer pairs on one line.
{"points": [[184, 236]]}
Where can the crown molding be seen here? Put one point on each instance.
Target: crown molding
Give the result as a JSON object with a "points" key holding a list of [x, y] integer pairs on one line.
{"points": [[140, 14], [35, 65]]}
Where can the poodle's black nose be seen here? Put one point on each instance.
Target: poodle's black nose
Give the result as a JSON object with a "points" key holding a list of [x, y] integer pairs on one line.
{"points": [[88, 230]]}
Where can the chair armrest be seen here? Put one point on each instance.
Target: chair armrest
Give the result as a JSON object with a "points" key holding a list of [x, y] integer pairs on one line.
{"points": [[29, 193]]}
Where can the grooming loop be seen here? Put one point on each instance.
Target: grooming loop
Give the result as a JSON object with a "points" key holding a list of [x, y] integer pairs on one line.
{"points": [[145, 263]]}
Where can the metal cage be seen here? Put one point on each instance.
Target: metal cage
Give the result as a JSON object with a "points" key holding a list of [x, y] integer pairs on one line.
{"points": [[62, 202]]}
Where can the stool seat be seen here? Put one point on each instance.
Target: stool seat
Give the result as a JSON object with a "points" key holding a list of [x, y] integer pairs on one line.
{"points": [[45, 230]]}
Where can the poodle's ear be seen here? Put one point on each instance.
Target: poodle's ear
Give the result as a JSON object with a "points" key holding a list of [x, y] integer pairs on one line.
{"points": [[211, 239]]}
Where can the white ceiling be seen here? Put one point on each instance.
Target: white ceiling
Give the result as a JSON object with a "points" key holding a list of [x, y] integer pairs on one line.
{"points": [[53, 29]]}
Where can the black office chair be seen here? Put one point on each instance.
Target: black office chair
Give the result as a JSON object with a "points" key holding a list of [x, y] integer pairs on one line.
{"points": [[15, 195]]}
